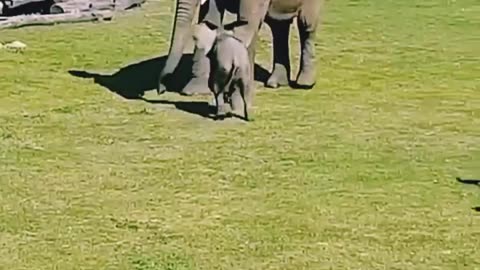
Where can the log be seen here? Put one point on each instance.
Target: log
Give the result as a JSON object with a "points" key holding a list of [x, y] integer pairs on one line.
{"points": [[128, 4], [73, 6], [31, 20]]}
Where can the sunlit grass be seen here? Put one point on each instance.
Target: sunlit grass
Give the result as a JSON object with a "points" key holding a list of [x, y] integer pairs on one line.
{"points": [[358, 173]]}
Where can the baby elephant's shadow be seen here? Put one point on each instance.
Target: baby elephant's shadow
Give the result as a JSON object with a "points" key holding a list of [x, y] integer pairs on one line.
{"points": [[132, 81], [201, 108]]}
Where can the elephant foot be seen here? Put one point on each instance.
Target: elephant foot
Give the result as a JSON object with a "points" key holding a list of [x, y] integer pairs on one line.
{"points": [[278, 78], [223, 111], [196, 86], [161, 88], [238, 113], [241, 115], [306, 79]]}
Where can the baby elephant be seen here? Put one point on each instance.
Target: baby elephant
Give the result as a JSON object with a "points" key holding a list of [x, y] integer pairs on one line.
{"points": [[230, 70]]}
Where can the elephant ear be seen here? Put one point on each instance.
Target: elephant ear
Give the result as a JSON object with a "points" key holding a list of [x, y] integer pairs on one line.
{"points": [[204, 37], [213, 18]]}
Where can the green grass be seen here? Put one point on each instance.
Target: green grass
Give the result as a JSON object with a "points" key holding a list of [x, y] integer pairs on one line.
{"points": [[358, 173]]}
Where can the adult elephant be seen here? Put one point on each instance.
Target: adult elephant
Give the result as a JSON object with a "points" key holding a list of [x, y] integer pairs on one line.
{"points": [[250, 14]]}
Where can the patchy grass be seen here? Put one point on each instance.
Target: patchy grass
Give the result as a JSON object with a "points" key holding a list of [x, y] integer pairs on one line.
{"points": [[358, 173]]}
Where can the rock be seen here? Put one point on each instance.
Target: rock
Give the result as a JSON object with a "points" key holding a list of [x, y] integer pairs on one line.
{"points": [[16, 45]]}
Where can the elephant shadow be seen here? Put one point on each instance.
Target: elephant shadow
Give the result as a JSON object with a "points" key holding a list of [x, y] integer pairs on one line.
{"points": [[133, 80]]}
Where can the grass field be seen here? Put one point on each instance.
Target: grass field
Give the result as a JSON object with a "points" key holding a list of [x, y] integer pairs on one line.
{"points": [[358, 173]]}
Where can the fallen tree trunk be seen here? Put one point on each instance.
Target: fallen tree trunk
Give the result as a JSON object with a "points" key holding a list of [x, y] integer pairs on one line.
{"points": [[31, 20], [73, 6], [127, 4]]}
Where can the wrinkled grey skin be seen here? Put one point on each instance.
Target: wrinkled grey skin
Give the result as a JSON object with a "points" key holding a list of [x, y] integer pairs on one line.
{"points": [[230, 71], [277, 13]]}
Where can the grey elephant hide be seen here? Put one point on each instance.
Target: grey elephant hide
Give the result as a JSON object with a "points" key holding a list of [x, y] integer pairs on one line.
{"points": [[230, 70]]}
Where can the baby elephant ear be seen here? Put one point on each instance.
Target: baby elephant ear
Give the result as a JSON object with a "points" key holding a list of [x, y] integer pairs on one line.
{"points": [[213, 18], [204, 36]]}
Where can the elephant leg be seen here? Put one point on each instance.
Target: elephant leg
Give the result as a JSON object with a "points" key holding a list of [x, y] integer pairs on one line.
{"points": [[222, 109], [253, 12], [242, 92], [236, 102], [236, 97], [184, 16], [214, 13], [307, 26], [251, 76], [211, 15], [202, 13], [251, 16], [244, 87], [198, 84], [281, 59]]}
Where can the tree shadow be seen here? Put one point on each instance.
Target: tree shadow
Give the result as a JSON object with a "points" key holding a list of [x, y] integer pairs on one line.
{"points": [[41, 7], [132, 81]]}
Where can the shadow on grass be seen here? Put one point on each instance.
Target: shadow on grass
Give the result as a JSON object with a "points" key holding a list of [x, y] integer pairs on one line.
{"points": [[132, 81], [475, 182], [201, 108], [32, 7]]}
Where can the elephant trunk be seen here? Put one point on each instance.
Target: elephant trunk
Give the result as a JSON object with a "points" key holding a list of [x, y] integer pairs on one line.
{"points": [[184, 15]]}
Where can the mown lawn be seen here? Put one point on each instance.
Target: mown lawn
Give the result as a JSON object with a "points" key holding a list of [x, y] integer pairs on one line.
{"points": [[358, 173]]}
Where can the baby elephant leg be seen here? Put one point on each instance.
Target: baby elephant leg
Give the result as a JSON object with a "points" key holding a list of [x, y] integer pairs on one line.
{"points": [[246, 93], [241, 99], [227, 103], [236, 102], [223, 108]]}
